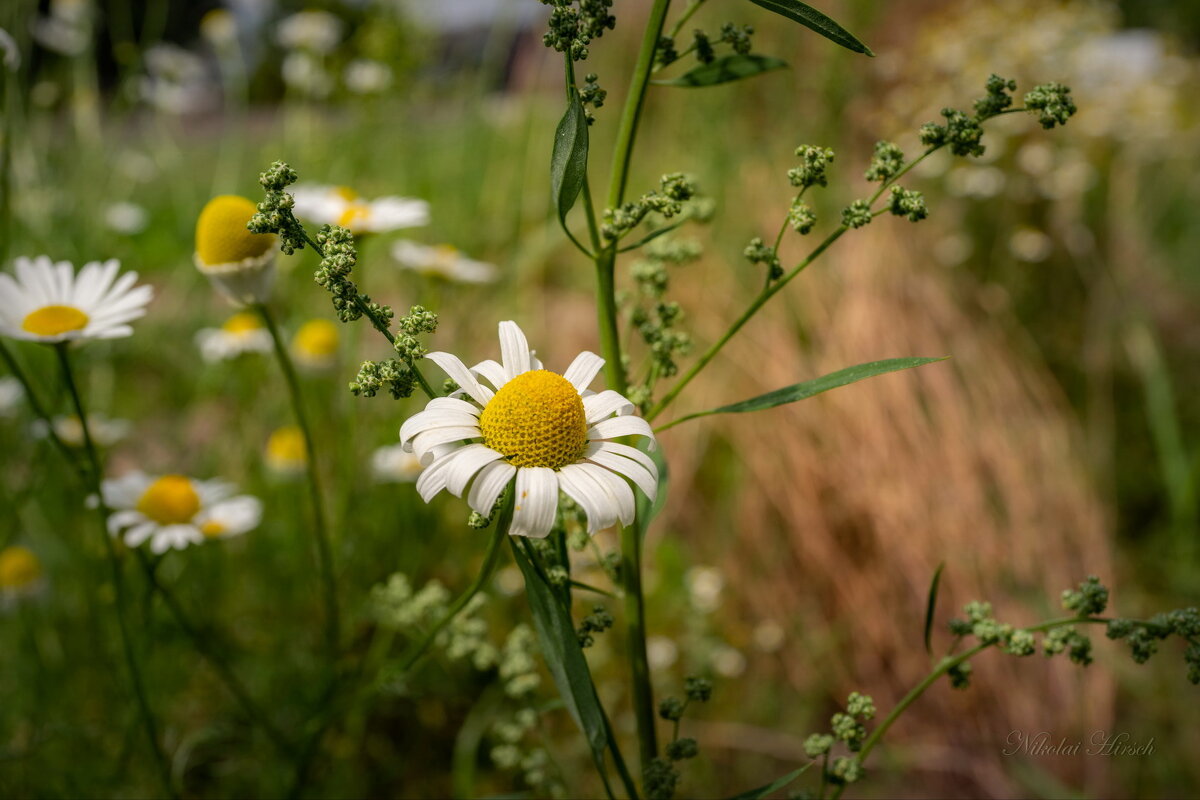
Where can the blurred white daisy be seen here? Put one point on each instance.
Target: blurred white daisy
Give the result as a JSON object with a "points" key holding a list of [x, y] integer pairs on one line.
{"points": [[174, 511], [11, 395], [661, 652], [21, 574], [441, 261], [127, 218], [315, 345], [544, 430], [177, 81], [367, 76], [306, 74], [728, 661], [286, 453], [1030, 244], [219, 28], [394, 464], [315, 31], [242, 333], [340, 205], [66, 29], [48, 302], [240, 264], [10, 51], [704, 587], [105, 431]]}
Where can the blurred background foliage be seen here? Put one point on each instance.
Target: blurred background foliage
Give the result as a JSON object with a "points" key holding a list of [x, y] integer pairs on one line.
{"points": [[793, 559]]}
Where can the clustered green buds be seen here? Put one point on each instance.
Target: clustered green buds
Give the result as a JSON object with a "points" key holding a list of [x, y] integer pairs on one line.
{"points": [[857, 214], [886, 163], [813, 164], [1053, 103], [596, 622], [667, 201], [1143, 636], [275, 210], [661, 774], [704, 44], [574, 23], [801, 217], [848, 728], [590, 94], [907, 203], [1077, 646], [758, 252], [390, 374], [1089, 600], [658, 319]]}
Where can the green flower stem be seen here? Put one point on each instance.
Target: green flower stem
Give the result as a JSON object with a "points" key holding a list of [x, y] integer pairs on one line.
{"points": [[38, 409], [635, 613], [377, 323], [945, 665], [692, 8], [118, 577], [491, 560], [215, 659], [320, 532]]}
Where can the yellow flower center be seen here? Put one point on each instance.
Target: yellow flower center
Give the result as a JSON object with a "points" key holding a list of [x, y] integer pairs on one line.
{"points": [[285, 448], [212, 529], [345, 193], [536, 420], [170, 500], [19, 567], [54, 320], [242, 322], [317, 338], [354, 214], [221, 234]]}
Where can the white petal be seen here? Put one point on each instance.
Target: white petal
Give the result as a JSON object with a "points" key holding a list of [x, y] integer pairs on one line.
{"points": [[459, 373], [618, 488], [492, 371], [139, 533], [620, 426], [432, 419], [583, 370], [467, 461], [514, 349], [589, 495], [123, 519], [423, 443], [605, 404], [629, 468], [536, 502], [630, 452], [488, 485], [433, 479]]}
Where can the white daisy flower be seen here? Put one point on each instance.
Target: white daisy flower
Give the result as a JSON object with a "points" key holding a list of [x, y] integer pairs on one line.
{"points": [[48, 302], [365, 76], [240, 264], [21, 575], [317, 31], [241, 333], [340, 205], [394, 464], [286, 452], [441, 261], [315, 345], [544, 430], [105, 431], [174, 511], [127, 218], [11, 395]]}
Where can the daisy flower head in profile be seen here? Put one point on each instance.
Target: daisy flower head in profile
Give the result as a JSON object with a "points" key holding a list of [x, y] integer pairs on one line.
{"points": [[342, 206], [394, 464], [174, 511], [315, 345], [241, 333], [104, 430], [48, 302], [441, 261], [240, 264], [543, 430]]}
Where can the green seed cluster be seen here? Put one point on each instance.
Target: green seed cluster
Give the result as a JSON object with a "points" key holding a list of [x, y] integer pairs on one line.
{"points": [[847, 727], [275, 210], [704, 45], [574, 23], [814, 162], [661, 774], [594, 623], [674, 189], [886, 163]]}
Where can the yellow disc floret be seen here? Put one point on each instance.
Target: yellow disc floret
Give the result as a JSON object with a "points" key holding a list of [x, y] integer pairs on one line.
{"points": [[316, 338], [212, 529], [242, 322], [286, 449], [54, 320], [221, 233], [536, 420], [353, 216], [19, 567], [170, 500]]}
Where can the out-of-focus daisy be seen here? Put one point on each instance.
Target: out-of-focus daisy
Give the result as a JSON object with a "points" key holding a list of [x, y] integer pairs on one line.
{"points": [[1030, 244], [769, 636], [544, 430], [219, 28], [441, 261], [176, 80], [174, 511], [240, 263], [67, 28], [340, 205], [367, 76], [394, 464], [11, 394], [661, 652], [48, 302], [306, 74], [315, 345], [127, 218], [704, 587], [241, 333], [285, 452], [12, 53], [105, 431], [20, 574], [315, 31], [728, 661]]}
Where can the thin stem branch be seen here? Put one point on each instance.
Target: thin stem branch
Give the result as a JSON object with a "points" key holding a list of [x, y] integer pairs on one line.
{"points": [[38, 409], [118, 576], [316, 495], [639, 662]]}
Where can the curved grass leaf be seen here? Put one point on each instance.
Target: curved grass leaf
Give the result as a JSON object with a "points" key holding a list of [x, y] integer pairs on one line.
{"points": [[774, 786], [931, 605], [725, 69], [814, 20], [806, 389], [568, 162]]}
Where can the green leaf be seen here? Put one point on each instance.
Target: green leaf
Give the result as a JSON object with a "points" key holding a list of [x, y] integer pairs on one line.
{"points": [[774, 786], [931, 605], [806, 389], [568, 162], [564, 658], [814, 20], [725, 69]]}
